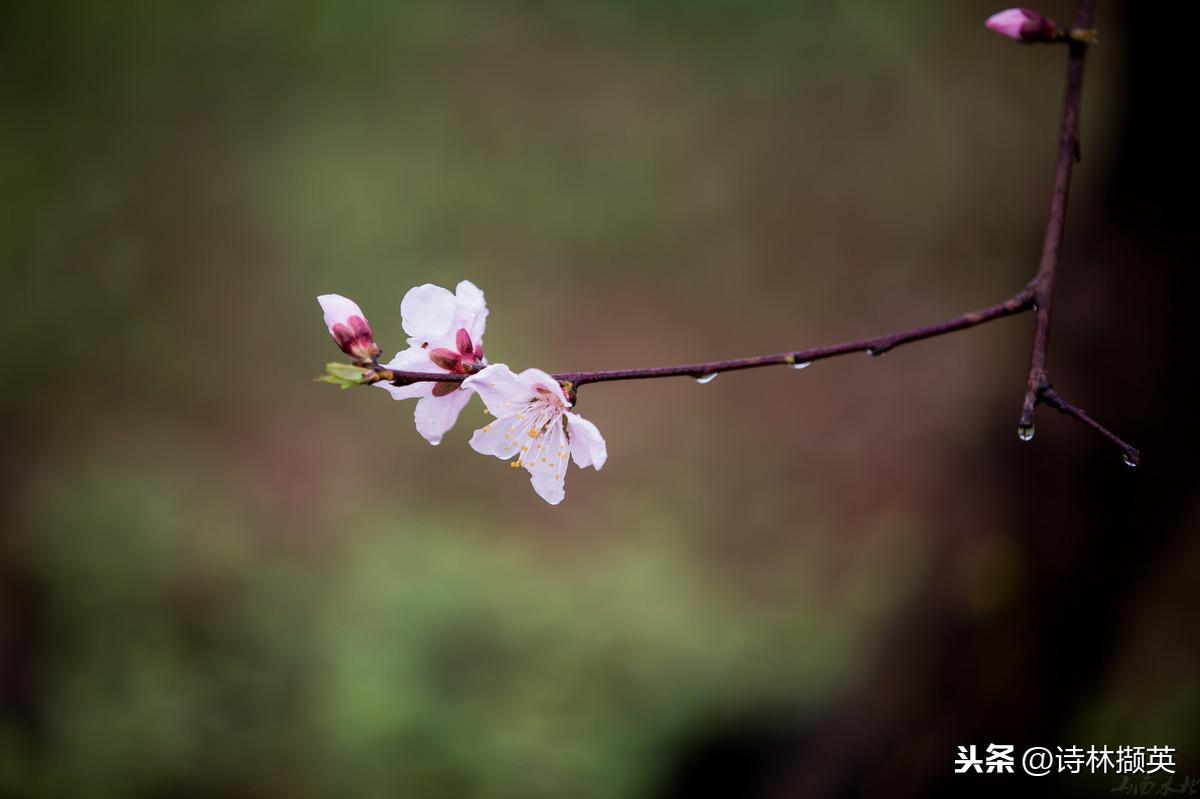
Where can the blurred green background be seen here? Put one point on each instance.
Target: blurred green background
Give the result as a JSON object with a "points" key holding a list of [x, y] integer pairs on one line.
{"points": [[220, 578]]}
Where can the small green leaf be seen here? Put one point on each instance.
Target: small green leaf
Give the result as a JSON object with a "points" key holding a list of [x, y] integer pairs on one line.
{"points": [[343, 374]]}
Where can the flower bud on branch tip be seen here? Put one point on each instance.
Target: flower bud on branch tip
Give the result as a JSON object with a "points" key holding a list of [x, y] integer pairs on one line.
{"points": [[1024, 25], [348, 326]]}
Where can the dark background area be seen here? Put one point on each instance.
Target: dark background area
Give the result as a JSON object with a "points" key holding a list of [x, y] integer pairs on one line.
{"points": [[220, 578]]}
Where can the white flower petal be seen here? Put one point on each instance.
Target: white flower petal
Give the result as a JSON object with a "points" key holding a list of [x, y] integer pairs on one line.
{"points": [[536, 377], [435, 415], [471, 312], [413, 391], [428, 312], [503, 392], [529, 411], [338, 310], [545, 458], [502, 438], [587, 445], [413, 359]]}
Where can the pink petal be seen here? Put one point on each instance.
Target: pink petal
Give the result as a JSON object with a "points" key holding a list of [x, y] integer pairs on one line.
{"points": [[445, 359], [348, 327], [462, 341], [339, 310], [1010, 22]]}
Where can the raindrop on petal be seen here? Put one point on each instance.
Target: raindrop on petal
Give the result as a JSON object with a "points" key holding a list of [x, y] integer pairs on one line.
{"points": [[1025, 432], [708, 378]]}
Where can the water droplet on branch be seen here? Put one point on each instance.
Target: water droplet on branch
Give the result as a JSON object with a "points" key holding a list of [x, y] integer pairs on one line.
{"points": [[802, 365], [1025, 432], [708, 378], [1129, 460]]}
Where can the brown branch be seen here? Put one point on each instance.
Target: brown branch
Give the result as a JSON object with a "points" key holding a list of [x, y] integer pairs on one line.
{"points": [[876, 345], [1048, 396], [1038, 295], [1037, 389]]}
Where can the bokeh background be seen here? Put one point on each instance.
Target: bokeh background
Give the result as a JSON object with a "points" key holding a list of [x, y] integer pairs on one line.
{"points": [[218, 578]]}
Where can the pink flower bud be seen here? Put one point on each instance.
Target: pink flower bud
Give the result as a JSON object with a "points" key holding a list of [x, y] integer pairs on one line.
{"points": [[348, 327], [1023, 25]]}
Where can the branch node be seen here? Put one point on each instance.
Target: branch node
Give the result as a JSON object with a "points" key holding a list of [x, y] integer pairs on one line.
{"points": [[1084, 35]]}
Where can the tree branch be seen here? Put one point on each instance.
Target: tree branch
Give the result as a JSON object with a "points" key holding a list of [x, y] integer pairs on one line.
{"points": [[1037, 387], [876, 345], [1038, 295], [1048, 396]]}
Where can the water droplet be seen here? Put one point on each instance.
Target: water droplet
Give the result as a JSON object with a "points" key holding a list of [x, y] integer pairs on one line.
{"points": [[803, 365], [1025, 432], [1130, 460], [708, 378], [875, 352]]}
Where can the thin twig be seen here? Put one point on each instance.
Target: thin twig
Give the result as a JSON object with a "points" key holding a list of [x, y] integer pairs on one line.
{"points": [[1048, 396]]}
